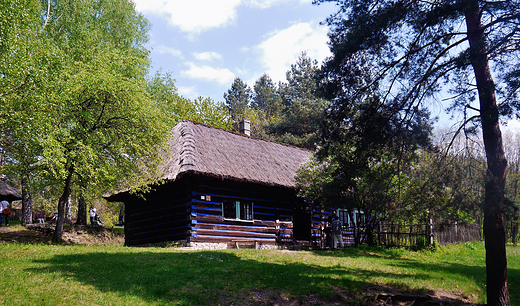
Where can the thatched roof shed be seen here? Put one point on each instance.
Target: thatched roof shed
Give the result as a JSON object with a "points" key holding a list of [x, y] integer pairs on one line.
{"points": [[213, 152], [9, 193]]}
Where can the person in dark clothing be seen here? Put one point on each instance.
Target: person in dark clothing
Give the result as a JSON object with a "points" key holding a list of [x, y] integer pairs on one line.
{"points": [[4, 212], [337, 229], [98, 220]]}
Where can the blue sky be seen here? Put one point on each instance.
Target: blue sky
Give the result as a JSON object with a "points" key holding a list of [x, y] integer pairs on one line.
{"points": [[205, 44]]}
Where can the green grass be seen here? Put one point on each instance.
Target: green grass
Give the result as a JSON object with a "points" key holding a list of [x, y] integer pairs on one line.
{"points": [[41, 274]]}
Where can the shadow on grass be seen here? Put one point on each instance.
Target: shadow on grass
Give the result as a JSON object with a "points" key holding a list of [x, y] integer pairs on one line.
{"points": [[474, 272], [196, 278], [209, 277]]}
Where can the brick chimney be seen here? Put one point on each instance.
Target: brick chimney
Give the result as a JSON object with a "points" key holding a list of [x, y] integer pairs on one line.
{"points": [[245, 127]]}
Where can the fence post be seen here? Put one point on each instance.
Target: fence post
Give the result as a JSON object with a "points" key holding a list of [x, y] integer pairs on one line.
{"points": [[457, 236], [410, 236], [379, 233], [431, 234]]}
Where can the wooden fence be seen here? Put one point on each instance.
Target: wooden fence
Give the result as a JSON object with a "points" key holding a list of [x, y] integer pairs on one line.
{"points": [[448, 232], [391, 234]]}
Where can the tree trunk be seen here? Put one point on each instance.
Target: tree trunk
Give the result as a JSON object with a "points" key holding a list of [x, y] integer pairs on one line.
{"points": [[514, 231], [68, 211], [67, 189], [82, 210], [26, 201], [494, 230]]}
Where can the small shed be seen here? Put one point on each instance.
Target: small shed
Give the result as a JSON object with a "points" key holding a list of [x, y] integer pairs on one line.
{"points": [[221, 187], [9, 193]]}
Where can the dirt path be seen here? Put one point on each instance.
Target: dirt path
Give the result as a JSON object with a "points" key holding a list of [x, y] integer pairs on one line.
{"points": [[21, 234]]}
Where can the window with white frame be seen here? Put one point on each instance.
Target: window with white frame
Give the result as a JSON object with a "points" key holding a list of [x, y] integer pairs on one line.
{"points": [[240, 210]]}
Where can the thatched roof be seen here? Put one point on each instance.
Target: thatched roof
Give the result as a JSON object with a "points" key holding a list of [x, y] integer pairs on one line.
{"points": [[9, 193], [214, 152]]}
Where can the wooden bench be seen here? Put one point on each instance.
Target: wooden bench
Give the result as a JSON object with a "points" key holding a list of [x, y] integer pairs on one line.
{"points": [[257, 243]]}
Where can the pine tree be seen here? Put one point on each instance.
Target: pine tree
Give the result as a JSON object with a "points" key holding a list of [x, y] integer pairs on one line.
{"points": [[407, 52]]}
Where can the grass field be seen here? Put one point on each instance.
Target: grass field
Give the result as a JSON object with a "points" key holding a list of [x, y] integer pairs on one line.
{"points": [[43, 274]]}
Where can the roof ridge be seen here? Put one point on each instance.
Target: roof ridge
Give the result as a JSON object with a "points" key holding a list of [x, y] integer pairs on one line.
{"points": [[187, 156], [247, 136]]}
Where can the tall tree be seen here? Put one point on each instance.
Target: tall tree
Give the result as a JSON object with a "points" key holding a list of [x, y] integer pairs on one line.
{"points": [[108, 126], [27, 207], [266, 98], [303, 108], [95, 122], [28, 67], [237, 99], [408, 51]]}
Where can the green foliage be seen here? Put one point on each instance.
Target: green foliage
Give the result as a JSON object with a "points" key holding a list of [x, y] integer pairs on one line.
{"points": [[315, 182], [266, 107], [290, 112], [367, 160], [78, 112], [304, 109], [163, 91], [237, 101], [266, 98]]}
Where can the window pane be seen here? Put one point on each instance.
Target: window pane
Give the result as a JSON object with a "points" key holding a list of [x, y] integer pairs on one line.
{"points": [[246, 211], [343, 216], [230, 210]]}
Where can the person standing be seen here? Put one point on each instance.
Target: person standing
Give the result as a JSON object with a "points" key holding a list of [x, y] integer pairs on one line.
{"points": [[328, 231], [92, 214], [337, 229], [5, 211]]}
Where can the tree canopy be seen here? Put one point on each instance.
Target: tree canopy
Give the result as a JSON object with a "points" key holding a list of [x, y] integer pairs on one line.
{"points": [[289, 112], [304, 109], [410, 53], [237, 100], [81, 106], [162, 90]]}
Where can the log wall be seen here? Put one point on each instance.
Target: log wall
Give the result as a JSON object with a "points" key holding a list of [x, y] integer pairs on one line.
{"points": [[272, 222], [190, 210], [162, 216]]}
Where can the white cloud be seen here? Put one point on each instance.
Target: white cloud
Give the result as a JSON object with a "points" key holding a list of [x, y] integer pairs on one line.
{"points": [[264, 4], [283, 47], [193, 16], [207, 56], [161, 49], [189, 92], [149, 6], [210, 74]]}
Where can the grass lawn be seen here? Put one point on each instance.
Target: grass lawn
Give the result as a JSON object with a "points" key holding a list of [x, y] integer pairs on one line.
{"points": [[43, 274]]}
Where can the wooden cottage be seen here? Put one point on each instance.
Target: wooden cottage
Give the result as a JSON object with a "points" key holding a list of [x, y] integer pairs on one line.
{"points": [[221, 187]]}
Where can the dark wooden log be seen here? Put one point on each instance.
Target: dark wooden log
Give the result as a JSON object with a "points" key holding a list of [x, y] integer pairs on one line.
{"points": [[236, 234], [230, 227]]}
